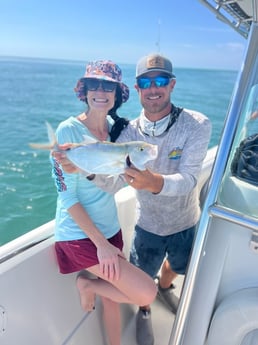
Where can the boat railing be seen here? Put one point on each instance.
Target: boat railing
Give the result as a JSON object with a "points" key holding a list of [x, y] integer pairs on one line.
{"points": [[26, 241]]}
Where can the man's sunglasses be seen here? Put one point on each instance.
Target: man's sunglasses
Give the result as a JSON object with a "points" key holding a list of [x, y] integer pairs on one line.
{"points": [[159, 81], [92, 84]]}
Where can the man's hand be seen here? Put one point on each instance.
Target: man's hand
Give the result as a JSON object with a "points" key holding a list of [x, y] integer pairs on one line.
{"points": [[145, 179]]}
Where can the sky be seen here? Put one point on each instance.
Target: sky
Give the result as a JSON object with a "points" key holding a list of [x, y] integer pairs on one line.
{"points": [[123, 31]]}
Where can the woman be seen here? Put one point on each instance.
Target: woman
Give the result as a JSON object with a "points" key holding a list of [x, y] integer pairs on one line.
{"points": [[88, 235]]}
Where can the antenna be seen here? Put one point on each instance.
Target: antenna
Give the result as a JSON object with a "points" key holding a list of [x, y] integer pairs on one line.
{"points": [[158, 39]]}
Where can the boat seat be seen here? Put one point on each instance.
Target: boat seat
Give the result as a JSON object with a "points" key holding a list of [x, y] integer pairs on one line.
{"points": [[240, 196], [235, 321]]}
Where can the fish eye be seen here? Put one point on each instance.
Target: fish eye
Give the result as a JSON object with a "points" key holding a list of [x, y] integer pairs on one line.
{"points": [[141, 148]]}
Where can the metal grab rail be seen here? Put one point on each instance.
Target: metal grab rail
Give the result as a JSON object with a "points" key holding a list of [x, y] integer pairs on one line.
{"points": [[233, 217]]}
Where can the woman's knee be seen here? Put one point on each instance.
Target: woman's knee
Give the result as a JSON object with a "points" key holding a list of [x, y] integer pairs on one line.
{"points": [[152, 293], [147, 294]]}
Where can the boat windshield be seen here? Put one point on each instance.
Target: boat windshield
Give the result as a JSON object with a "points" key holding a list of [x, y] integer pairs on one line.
{"points": [[239, 190]]}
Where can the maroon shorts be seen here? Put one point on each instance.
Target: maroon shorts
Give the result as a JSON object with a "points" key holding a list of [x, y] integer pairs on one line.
{"points": [[73, 256]]}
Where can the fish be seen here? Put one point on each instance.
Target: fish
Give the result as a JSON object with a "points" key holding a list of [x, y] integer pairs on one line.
{"points": [[102, 157]]}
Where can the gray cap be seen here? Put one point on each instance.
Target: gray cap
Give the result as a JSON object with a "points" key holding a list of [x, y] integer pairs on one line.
{"points": [[154, 62]]}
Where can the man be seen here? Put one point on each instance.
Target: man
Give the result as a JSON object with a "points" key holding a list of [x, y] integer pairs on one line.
{"points": [[167, 195]]}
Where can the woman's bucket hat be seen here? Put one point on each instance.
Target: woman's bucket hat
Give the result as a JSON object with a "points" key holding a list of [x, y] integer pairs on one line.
{"points": [[102, 69]]}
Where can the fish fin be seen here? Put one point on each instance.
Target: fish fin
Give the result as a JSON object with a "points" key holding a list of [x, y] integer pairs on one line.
{"points": [[51, 134], [41, 146], [88, 140], [105, 168], [116, 164], [51, 137]]}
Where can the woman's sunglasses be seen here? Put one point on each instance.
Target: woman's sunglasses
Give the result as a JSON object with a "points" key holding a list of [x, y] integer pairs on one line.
{"points": [[93, 84], [159, 81]]}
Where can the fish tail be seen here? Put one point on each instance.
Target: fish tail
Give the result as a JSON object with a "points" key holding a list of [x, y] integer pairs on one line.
{"points": [[51, 137]]}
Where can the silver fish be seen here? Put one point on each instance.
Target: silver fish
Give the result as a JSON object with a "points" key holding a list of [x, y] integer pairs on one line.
{"points": [[102, 157]]}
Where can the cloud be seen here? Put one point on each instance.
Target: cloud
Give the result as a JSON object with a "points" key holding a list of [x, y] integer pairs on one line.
{"points": [[231, 46]]}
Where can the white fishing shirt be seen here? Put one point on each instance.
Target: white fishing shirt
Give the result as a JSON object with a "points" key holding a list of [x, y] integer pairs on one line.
{"points": [[181, 151]]}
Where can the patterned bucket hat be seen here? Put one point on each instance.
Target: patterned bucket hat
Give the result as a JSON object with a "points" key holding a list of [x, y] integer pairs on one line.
{"points": [[102, 69]]}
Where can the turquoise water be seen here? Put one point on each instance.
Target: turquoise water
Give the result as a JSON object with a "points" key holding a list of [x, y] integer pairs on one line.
{"points": [[33, 91]]}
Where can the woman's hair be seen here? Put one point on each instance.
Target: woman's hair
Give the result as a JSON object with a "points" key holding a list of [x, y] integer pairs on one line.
{"points": [[119, 122]]}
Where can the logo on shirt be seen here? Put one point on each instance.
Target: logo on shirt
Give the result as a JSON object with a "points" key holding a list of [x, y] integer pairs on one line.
{"points": [[176, 153], [59, 178]]}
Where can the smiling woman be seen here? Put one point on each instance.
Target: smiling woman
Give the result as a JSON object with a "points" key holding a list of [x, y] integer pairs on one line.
{"points": [[87, 240]]}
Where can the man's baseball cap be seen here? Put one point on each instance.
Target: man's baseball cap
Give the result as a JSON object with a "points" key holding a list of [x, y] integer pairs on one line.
{"points": [[154, 62]]}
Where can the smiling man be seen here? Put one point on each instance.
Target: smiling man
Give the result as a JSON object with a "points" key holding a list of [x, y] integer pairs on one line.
{"points": [[167, 194]]}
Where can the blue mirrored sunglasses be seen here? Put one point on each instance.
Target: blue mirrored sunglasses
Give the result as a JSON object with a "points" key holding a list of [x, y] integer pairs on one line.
{"points": [[159, 81], [93, 84]]}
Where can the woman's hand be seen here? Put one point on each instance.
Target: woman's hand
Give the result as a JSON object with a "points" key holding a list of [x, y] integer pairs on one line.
{"points": [[108, 261], [61, 158]]}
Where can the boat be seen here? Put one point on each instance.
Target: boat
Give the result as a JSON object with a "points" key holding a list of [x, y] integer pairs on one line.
{"points": [[219, 293]]}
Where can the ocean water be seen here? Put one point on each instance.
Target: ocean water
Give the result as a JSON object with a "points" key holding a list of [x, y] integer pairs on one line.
{"points": [[33, 91]]}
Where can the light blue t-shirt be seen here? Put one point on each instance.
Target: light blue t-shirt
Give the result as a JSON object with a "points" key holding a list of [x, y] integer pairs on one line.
{"points": [[74, 188]]}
